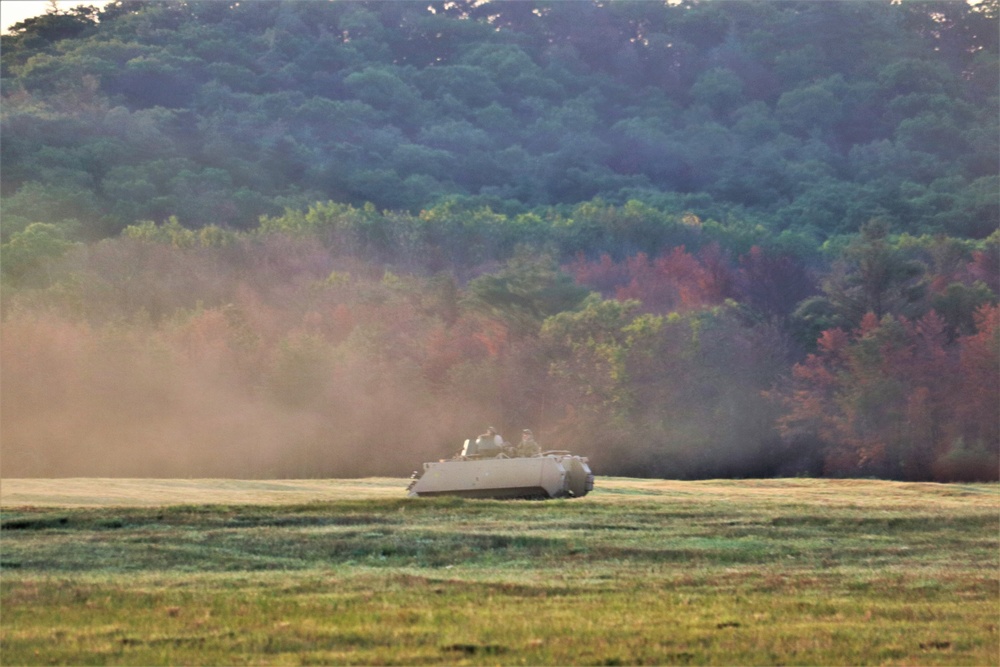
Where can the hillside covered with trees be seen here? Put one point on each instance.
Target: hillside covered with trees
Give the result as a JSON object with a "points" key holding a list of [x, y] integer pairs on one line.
{"points": [[687, 240]]}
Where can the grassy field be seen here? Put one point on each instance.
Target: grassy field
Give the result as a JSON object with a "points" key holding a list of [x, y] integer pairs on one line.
{"points": [[219, 572]]}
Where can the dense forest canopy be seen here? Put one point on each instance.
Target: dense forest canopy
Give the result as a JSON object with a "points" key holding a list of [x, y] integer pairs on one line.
{"points": [[686, 239], [812, 116]]}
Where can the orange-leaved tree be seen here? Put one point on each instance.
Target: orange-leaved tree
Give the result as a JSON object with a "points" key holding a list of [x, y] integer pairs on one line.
{"points": [[892, 398]]}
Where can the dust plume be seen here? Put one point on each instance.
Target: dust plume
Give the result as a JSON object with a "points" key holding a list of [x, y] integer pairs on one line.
{"points": [[287, 376]]}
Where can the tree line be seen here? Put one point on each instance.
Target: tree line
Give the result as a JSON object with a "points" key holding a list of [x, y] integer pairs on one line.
{"points": [[805, 116], [325, 343]]}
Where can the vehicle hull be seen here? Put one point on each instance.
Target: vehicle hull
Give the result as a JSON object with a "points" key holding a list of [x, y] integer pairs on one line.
{"points": [[546, 476]]}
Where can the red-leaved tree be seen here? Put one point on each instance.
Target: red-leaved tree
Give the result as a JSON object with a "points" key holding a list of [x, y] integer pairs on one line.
{"points": [[892, 398]]}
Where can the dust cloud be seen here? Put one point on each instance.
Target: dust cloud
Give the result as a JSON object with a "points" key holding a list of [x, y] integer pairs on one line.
{"points": [[84, 402], [285, 376], [271, 357]]}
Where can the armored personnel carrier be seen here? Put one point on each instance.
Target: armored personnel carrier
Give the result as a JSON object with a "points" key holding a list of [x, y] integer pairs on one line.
{"points": [[485, 469]]}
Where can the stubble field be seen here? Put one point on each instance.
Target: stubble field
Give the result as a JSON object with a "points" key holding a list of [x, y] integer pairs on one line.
{"points": [[639, 572]]}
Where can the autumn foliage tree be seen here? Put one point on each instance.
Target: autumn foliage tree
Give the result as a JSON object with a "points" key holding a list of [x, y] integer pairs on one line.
{"points": [[891, 398]]}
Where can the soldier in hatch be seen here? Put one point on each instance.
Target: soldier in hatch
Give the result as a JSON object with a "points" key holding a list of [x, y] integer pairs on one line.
{"points": [[529, 446], [491, 436], [489, 444]]}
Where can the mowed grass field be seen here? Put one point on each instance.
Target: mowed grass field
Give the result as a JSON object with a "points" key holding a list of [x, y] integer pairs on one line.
{"points": [[766, 572]]}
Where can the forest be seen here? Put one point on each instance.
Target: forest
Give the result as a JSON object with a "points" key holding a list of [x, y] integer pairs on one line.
{"points": [[687, 239]]}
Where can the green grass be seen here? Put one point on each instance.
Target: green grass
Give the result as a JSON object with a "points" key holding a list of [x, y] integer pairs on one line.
{"points": [[639, 572]]}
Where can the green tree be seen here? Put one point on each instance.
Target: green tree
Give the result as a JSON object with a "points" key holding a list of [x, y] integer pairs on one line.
{"points": [[383, 88], [812, 108], [529, 289], [25, 259], [874, 276], [719, 89]]}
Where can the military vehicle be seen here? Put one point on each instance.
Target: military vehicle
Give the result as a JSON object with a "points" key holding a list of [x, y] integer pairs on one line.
{"points": [[485, 469]]}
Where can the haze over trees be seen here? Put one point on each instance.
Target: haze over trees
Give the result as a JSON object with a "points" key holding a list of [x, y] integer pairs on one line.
{"points": [[335, 238]]}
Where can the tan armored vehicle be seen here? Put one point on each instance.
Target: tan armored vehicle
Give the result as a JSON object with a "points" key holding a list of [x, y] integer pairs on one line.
{"points": [[486, 469]]}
